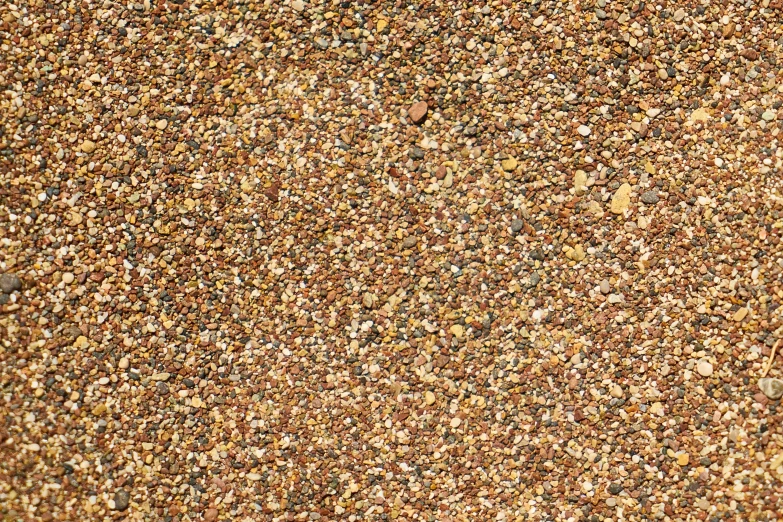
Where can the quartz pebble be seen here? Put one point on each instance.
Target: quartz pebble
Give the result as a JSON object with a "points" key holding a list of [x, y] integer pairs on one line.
{"points": [[704, 368]]}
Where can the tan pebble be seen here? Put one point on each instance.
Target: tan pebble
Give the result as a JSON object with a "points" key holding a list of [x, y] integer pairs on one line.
{"points": [[682, 459], [700, 114], [88, 146], [740, 314], [429, 397], [68, 278], [580, 181], [162, 124], [509, 164], [616, 392], [455, 422], [457, 330], [621, 199]]}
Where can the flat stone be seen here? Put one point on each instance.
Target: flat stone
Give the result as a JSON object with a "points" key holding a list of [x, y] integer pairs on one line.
{"points": [[429, 398], [161, 124], [123, 364], [621, 199], [583, 130], [771, 387], [650, 197], [517, 225], [253, 476], [87, 146], [68, 278], [418, 112], [210, 515], [700, 114], [455, 422], [605, 286], [162, 376]]}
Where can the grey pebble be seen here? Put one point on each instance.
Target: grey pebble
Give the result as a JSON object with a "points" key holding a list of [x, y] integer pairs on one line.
{"points": [[10, 283], [162, 388], [121, 500], [517, 225], [650, 198]]}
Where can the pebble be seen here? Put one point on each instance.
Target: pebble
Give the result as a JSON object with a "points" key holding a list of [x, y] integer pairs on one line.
{"points": [[517, 225], [429, 398], [771, 387], [621, 199], [509, 164], [88, 146], [583, 130], [580, 181], [704, 368], [68, 278], [210, 515], [121, 500], [161, 124], [123, 364], [650, 197], [418, 112], [10, 283], [605, 286], [617, 392]]}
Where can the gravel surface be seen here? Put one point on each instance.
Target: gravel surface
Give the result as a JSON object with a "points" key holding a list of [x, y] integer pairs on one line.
{"points": [[435, 261]]}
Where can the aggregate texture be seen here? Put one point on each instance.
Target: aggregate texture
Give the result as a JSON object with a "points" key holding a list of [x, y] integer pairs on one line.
{"points": [[424, 261]]}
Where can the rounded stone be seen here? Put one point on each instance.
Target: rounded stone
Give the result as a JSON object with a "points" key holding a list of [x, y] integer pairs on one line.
{"points": [[704, 368]]}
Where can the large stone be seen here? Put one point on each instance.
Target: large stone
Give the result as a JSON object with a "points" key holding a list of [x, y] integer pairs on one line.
{"points": [[418, 112], [10, 283], [621, 199], [772, 388], [121, 500]]}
